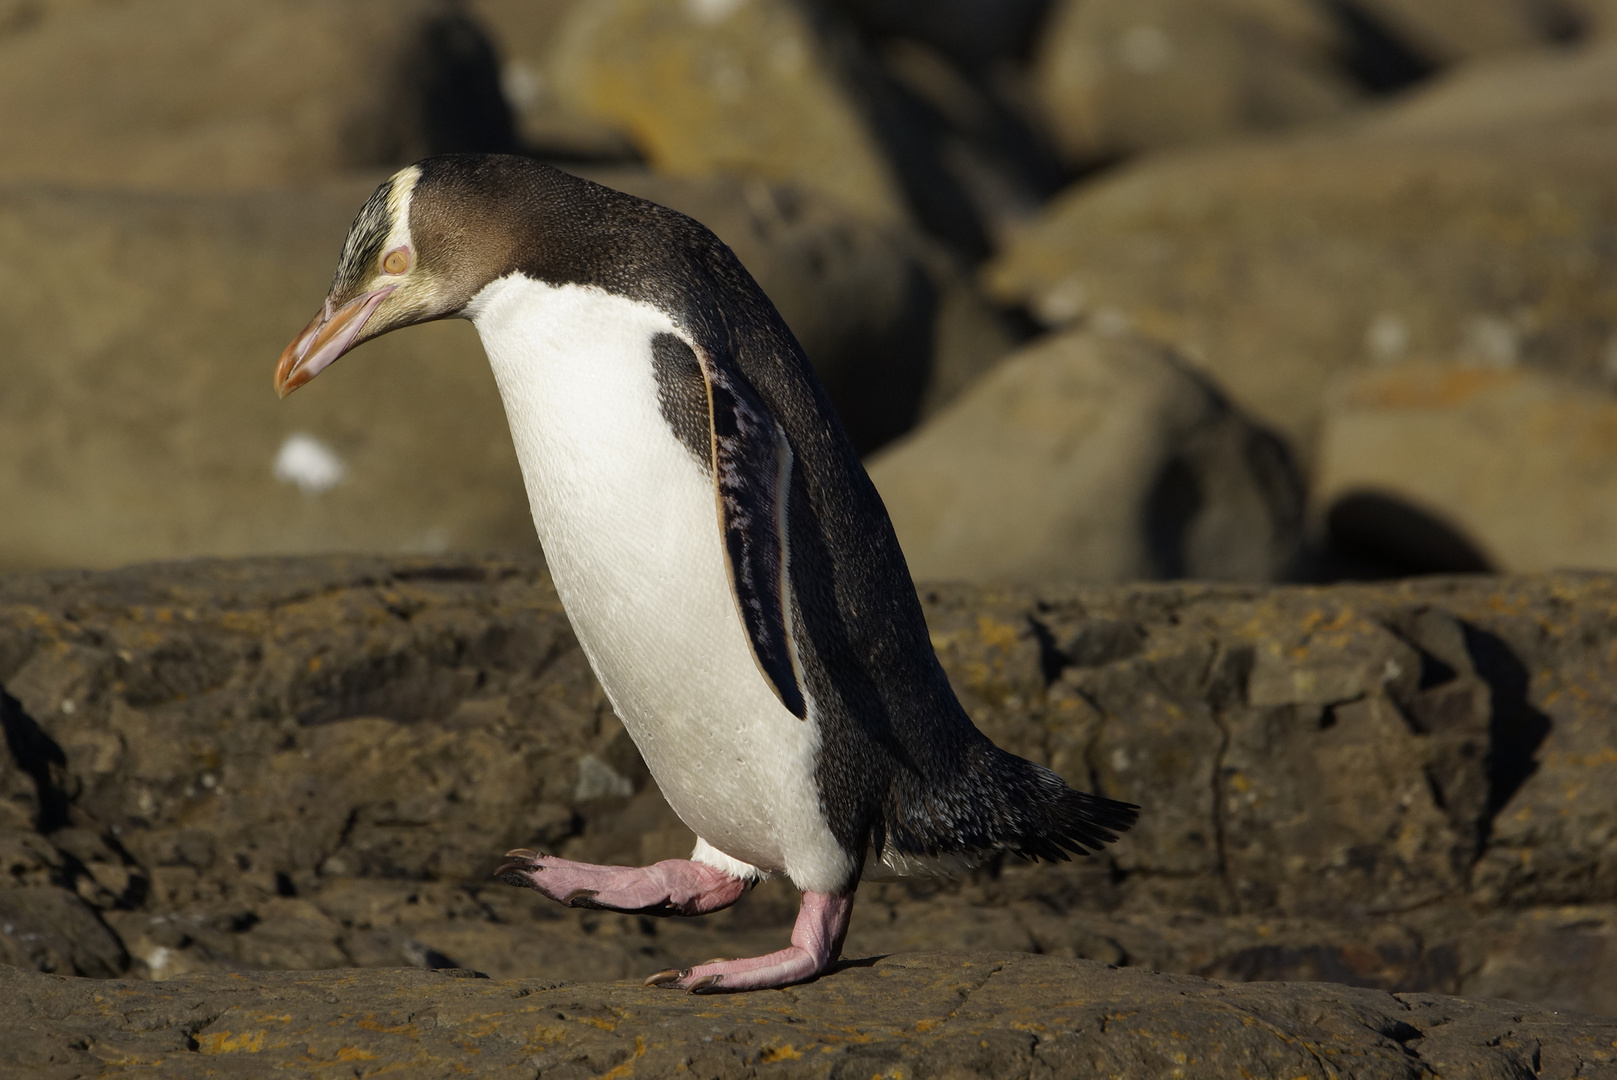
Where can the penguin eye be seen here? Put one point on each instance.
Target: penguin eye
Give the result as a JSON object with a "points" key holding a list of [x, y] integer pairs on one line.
{"points": [[396, 261]]}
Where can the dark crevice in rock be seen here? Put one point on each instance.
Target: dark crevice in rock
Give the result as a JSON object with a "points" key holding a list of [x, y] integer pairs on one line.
{"points": [[1052, 661], [1516, 729], [1219, 826], [41, 759], [1227, 675]]}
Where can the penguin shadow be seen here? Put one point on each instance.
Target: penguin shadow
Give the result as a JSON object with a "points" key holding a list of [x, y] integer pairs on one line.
{"points": [[848, 965]]}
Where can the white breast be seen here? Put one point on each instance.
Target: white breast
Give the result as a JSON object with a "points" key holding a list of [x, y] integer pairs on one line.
{"points": [[629, 524]]}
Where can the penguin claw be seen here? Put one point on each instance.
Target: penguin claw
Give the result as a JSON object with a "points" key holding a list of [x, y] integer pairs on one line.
{"points": [[514, 874], [667, 976], [522, 853], [584, 898], [707, 984]]}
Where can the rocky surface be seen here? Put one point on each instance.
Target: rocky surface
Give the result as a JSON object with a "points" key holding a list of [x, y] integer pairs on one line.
{"points": [[1115, 460], [932, 1014], [312, 764]]}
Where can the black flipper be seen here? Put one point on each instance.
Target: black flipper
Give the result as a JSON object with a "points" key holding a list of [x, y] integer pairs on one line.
{"points": [[752, 470]]}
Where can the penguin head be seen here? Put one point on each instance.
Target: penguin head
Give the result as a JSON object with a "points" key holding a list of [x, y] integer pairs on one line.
{"points": [[416, 252]]}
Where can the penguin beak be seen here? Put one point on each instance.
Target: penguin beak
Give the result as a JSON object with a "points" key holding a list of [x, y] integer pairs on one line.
{"points": [[329, 334]]}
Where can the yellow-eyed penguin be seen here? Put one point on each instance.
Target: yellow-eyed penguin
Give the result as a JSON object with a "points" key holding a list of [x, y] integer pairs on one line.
{"points": [[727, 565]]}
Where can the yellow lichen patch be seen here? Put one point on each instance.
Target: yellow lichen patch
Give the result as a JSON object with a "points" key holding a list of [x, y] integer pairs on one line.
{"points": [[354, 1053], [314, 663], [544, 1037], [924, 1026], [627, 1068], [773, 1054], [603, 1024], [1316, 622], [998, 634], [230, 1042]]}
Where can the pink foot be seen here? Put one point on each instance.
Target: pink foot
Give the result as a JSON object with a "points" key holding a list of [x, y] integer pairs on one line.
{"points": [[671, 887], [822, 922]]}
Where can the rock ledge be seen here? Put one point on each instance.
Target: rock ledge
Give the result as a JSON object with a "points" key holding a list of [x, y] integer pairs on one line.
{"points": [[927, 1014]]}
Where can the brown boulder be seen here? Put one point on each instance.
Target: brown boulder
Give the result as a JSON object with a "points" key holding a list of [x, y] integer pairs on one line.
{"points": [[741, 86], [196, 95], [1594, 18], [969, 32], [1446, 31], [1521, 465], [139, 421], [1428, 232], [1092, 458], [523, 32], [1117, 77]]}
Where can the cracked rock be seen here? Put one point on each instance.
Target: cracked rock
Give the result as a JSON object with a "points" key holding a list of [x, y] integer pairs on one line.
{"points": [[316, 763]]}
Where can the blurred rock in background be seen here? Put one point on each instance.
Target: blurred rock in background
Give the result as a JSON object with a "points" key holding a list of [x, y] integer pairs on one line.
{"points": [[741, 86], [1521, 462], [1114, 460], [138, 420], [193, 95], [1117, 77], [1471, 224], [1291, 196], [1447, 31], [523, 33]]}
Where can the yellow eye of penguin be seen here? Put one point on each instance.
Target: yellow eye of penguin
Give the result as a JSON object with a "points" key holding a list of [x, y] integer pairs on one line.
{"points": [[396, 261]]}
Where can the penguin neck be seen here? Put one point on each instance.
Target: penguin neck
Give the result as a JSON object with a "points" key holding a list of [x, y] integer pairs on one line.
{"points": [[573, 367]]}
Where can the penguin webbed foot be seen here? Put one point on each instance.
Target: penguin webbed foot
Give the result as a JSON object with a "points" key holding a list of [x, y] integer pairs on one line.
{"points": [[822, 922], [671, 887]]}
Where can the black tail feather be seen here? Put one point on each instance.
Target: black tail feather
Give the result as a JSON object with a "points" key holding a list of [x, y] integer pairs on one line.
{"points": [[995, 801]]}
